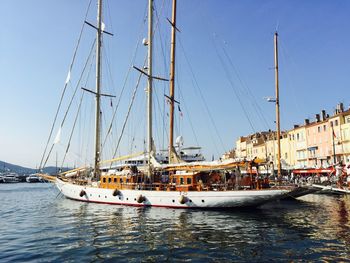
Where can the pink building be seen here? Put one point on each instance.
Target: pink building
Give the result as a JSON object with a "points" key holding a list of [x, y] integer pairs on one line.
{"points": [[319, 144]]}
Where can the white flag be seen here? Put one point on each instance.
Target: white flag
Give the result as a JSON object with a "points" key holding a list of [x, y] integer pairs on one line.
{"points": [[103, 26], [58, 136], [68, 77]]}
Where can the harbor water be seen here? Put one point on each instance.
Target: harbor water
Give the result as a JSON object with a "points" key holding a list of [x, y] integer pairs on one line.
{"points": [[39, 225]]}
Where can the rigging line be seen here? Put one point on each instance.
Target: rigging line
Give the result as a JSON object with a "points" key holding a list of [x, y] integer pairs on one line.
{"points": [[127, 116], [71, 134], [188, 114], [108, 64], [161, 113], [65, 87], [233, 87], [201, 95], [109, 14], [86, 82], [230, 80], [89, 139], [104, 122], [244, 85], [78, 83], [124, 86], [119, 99], [71, 100], [166, 70], [127, 77], [288, 57], [155, 115], [210, 130]]}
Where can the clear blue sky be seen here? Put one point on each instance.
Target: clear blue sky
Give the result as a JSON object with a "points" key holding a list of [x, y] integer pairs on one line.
{"points": [[38, 38]]}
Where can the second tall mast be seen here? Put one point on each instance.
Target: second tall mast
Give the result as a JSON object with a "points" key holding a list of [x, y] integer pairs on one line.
{"points": [[172, 84], [98, 92], [149, 88]]}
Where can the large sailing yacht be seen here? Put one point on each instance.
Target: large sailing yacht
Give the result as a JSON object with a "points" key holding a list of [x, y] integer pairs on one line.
{"points": [[175, 183]]}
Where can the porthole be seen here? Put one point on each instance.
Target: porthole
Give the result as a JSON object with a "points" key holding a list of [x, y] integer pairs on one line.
{"points": [[173, 201], [190, 201], [134, 199], [105, 196], [99, 196], [202, 201], [120, 198], [90, 194], [127, 198]]}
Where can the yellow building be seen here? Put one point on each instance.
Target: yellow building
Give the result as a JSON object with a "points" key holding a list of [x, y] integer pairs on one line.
{"points": [[342, 135], [241, 147]]}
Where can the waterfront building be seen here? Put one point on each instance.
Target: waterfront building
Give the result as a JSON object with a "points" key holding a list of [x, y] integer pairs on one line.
{"points": [[340, 137], [287, 151], [299, 146], [345, 133], [318, 140], [318, 143], [241, 147]]}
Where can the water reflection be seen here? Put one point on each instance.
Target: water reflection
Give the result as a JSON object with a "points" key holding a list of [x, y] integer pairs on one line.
{"points": [[39, 227]]}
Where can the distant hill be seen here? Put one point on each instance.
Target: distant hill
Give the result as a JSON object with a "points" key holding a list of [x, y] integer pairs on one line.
{"points": [[9, 167]]}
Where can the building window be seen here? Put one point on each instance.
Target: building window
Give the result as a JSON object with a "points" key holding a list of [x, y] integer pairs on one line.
{"points": [[189, 181], [104, 179], [324, 127], [319, 129], [336, 122], [109, 179]]}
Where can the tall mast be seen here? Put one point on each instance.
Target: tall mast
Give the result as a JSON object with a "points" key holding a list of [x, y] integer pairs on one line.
{"points": [[149, 88], [278, 126], [98, 91], [172, 82]]}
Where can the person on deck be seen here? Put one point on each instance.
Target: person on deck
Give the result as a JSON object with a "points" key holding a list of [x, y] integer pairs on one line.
{"points": [[338, 174], [348, 175]]}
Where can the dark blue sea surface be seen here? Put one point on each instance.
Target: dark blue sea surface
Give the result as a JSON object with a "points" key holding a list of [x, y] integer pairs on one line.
{"points": [[39, 225]]}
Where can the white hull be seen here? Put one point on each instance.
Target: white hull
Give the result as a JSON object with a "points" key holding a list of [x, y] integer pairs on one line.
{"points": [[171, 199], [33, 179], [8, 180]]}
